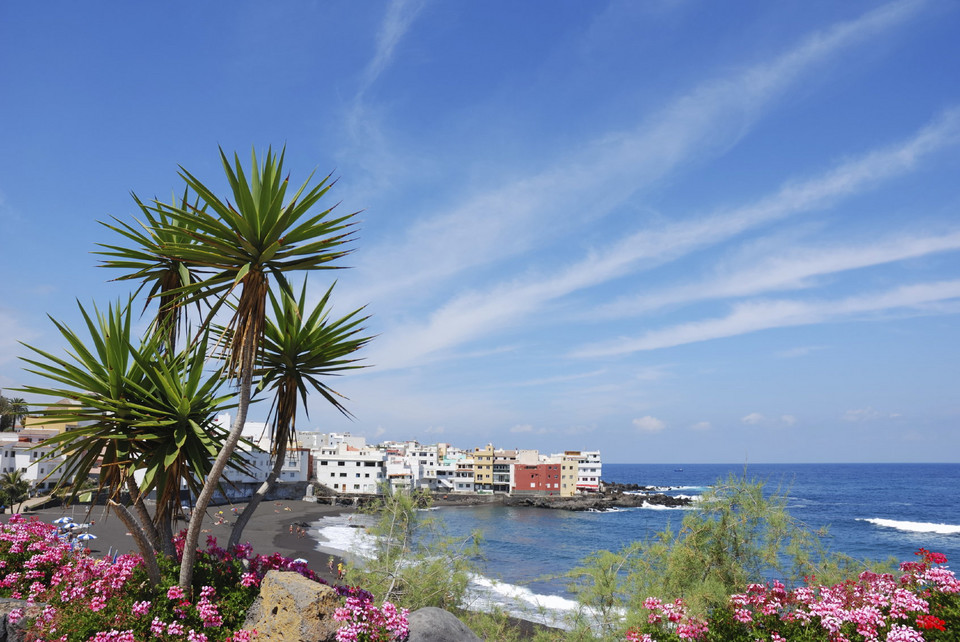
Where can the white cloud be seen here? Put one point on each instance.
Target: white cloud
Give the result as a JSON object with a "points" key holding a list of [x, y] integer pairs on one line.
{"points": [[506, 220], [753, 419], [763, 315], [435, 430], [477, 313], [397, 21], [522, 428], [649, 424], [701, 425], [788, 420], [867, 414], [788, 269]]}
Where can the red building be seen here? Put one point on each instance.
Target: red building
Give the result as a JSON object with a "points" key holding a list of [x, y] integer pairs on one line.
{"points": [[541, 479]]}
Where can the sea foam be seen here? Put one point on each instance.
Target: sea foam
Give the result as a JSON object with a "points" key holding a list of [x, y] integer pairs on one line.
{"points": [[914, 527]]}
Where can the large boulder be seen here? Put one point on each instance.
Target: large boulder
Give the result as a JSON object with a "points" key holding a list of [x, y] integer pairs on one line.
{"points": [[16, 632], [292, 608], [431, 624]]}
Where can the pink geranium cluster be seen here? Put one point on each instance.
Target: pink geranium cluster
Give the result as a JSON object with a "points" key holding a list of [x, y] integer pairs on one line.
{"points": [[78, 592], [875, 607], [365, 622], [673, 615]]}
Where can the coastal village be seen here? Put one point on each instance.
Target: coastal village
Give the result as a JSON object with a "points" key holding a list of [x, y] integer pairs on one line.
{"points": [[345, 464]]}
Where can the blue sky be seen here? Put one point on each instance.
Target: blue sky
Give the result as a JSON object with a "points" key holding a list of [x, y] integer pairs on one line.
{"points": [[675, 231]]}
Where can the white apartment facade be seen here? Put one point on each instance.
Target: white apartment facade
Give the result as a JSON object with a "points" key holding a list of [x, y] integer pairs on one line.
{"points": [[348, 469], [22, 451]]}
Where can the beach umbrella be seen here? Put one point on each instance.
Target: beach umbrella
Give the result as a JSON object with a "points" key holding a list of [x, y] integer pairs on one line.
{"points": [[299, 560], [70, 526], [85, 536], [66, 519]]}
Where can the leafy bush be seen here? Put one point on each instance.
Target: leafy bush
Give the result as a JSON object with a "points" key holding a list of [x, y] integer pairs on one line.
{"points": [[414, 563]]}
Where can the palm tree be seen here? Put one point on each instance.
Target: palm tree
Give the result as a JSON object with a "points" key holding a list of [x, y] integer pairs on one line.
{"points": [[12, 411], [14, 488], [298, 352], [141, 409], [241, 247], [17, 410], [165, 275]]}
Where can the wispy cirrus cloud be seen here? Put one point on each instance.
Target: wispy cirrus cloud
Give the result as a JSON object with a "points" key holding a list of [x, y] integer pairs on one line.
{"points": [[514, 216], [399, 17], [786, 269], [474, 314], [754, 316]]}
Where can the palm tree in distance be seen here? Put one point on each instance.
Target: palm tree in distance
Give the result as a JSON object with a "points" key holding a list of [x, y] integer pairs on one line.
{"points": [[236, 249], [14, 489], [12, 412], [298, 353]]}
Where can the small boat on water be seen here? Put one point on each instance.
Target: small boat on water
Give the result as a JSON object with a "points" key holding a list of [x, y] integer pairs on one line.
{"points": [[678, 470]]}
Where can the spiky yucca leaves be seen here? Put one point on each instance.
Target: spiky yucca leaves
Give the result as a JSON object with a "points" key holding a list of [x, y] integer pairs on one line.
{"points": [[298, 353], [144, 260], [139, 408], [258, 238]]}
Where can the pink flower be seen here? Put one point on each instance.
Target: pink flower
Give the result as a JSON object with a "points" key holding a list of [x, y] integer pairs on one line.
{"points": [[141, 608]]}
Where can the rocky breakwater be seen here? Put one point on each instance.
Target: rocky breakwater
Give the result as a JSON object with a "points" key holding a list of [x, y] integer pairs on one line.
{"points": [[607, 500]]}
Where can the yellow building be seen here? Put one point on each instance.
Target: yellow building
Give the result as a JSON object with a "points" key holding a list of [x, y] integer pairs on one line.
{"points": [[59, 426], [568, 477], [483, 468]]}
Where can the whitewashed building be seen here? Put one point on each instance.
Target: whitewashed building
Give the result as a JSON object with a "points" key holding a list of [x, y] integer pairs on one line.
{"points": [[22, 451], [347, 469]]}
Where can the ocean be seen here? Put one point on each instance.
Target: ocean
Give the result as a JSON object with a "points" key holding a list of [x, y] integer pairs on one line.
{"points": [[871, 511]]}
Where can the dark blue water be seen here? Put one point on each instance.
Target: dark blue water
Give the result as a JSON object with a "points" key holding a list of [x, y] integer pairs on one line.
{"points": [[533, 547]]}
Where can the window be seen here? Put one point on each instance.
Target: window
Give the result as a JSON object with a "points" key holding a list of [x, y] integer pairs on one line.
{"points": [[356, 486], [343, 474], [323, 462], [341, 463]]}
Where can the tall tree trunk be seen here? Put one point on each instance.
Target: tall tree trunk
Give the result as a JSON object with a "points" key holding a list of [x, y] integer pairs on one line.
{"points": [[149, 529], [216, 472], [143, 543], [258, 496]]}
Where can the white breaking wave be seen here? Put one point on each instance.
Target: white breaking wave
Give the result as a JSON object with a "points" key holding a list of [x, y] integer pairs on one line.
{"points": [[650, 506], [346, 535], [915, 527], [485, 594]]}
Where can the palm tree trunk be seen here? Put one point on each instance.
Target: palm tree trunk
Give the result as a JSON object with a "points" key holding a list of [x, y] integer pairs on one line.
{"points": [[143, 514], [258, 496], [146, 548], [216, 472]]}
